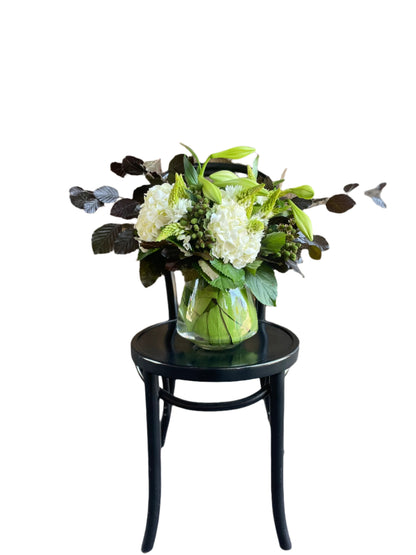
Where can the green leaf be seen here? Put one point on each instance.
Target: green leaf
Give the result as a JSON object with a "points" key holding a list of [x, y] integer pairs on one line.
{"points": [[263, 284], [222, 282], [193, 154], [217, 329], [228, 270], [201, 326], [273, 242], [253, 267], [191, 175], [234, 153], [256, 166], [278, 183], [103, 238], [236, 315], [202, 301], [302, 220]]}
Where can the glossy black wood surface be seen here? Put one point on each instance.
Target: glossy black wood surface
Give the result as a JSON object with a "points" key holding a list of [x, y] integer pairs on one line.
{"points": [[160, 350]]}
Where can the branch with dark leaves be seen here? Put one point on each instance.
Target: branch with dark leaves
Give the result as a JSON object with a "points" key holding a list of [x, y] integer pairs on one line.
{"points": [[342, 202]]}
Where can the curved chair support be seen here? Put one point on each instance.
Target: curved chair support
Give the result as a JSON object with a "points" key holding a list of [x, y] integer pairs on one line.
{"points": [[225, 405]]}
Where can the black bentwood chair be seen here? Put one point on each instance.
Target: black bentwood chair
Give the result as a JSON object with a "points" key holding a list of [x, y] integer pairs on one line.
{"points": [[158, 351]]}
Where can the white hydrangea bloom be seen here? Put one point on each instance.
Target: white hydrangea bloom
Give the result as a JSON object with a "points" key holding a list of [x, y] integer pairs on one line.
{"points": [[156, 212], [228, 225]]}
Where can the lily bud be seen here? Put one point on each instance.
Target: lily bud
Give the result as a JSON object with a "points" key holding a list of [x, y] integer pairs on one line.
{"points": [[234, 153], [210, 190], [304, 191]]}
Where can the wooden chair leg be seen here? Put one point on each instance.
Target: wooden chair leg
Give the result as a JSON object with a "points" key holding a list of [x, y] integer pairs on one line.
{"points": [[277, 384], [169, 385], [151, 383]]}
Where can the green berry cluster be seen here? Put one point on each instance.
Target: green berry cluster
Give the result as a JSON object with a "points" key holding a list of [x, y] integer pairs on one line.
{"points": [[290, 250], [195, 222]]}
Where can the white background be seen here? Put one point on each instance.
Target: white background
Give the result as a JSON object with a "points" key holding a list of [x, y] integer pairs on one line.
{"points": [[323, 88]]}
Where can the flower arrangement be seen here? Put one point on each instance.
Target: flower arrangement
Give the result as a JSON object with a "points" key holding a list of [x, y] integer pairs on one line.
{"points": [[225, 225]]}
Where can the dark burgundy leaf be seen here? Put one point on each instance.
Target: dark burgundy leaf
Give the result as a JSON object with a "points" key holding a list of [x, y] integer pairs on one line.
{"points": [[130, 165], [126, 208], [153, 244], [220, 161], [151, 268], [302, 203], [103, 238], [176, 165], [106, 194], [91, 206], [340, 203], [154, 178], [126, 241], [79, 196], [143, 254], [268, 182], [138, 194], [374, 194], [278, 265], [293, 265], [350, 187], [317, 241], [133, 165], [171, 253], [118, 169]]}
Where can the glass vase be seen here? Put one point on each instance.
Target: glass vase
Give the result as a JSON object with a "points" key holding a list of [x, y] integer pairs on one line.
{"points": [[215, 319]]}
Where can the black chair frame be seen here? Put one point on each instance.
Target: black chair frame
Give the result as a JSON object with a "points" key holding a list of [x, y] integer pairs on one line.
{"points": [[172, 358]]}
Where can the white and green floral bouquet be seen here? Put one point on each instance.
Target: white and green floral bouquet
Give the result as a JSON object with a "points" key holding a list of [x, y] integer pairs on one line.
{"points": [[225, 225]]}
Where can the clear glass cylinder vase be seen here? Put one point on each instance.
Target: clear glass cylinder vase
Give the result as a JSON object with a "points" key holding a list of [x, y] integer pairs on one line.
{"points": [[215, 319]]}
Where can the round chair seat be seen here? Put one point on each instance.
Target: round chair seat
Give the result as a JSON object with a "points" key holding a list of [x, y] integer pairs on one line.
{"points": [[160, 350]]}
